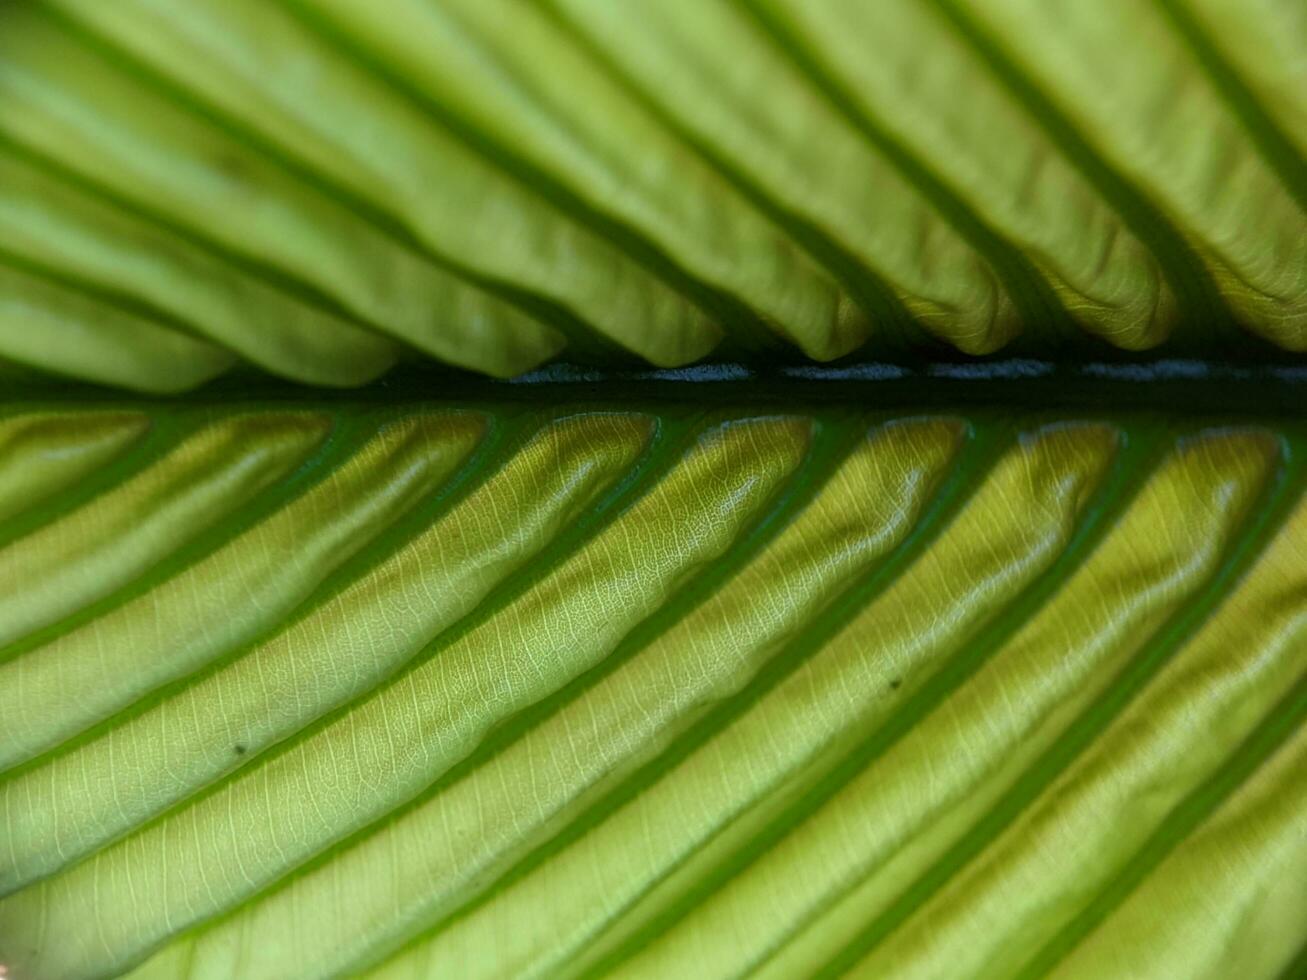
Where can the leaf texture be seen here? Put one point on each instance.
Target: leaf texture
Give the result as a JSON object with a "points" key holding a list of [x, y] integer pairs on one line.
{"points": [[316, 190], [650, 690]]}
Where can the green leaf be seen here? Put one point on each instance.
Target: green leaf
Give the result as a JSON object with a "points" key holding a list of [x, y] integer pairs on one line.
{"points": [[502, 690], [317, 190], [895, 669]]}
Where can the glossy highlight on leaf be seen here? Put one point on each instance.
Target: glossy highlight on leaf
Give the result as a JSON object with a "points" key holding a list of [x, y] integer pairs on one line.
{"points": [[433, 689]]}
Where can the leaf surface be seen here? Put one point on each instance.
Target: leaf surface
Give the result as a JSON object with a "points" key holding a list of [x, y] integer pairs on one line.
{"points": [[923, 664], [500, 690], [318, 191]]}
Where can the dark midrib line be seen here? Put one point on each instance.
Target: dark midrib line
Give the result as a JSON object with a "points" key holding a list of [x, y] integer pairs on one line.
{"points": [[584, 339], [1189, 279], [1272, 732], [871, 291], [1109, 499], [972, 461], [740, 323], [1036, 303], [1259, 526], [1210, 392], [1276, 149]]}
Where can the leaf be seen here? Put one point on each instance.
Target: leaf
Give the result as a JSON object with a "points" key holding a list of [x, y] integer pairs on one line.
{"points": [[507, 689], [632, 674], [316, 190]]}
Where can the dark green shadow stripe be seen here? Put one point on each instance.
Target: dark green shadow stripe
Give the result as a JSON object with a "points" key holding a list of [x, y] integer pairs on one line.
{"points": [[584, 340], [355, 431], [251, 265], [1036, 303], [1262, 523], [833, 441], [743, 326], [827, 449], [343, 437], [1297, 967], [670, 438], [1276, 149], [972, 462], [163, 435], [1109, 499], [1283, 721], [874, 295], [98, 293], [1203, 308]]}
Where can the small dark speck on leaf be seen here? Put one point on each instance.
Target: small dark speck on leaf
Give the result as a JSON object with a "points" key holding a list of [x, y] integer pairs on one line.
{"points": [[240, 749], [894, 684]]}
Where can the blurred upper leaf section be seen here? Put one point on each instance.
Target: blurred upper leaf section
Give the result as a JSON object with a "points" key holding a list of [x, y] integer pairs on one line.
{"points": [[321, 187]]}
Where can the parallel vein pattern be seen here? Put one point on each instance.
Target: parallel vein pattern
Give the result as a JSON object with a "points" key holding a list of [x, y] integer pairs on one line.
{"points": [[504, 691], [317, 188]]}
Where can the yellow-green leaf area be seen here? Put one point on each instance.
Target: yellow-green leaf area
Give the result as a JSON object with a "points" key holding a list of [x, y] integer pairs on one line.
{"points": [[498, 690]]}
